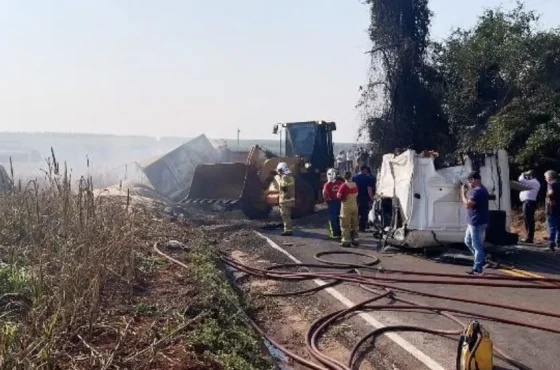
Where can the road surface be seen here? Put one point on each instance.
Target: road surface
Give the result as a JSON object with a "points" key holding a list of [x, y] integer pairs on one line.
{"points": [[534, 348]]}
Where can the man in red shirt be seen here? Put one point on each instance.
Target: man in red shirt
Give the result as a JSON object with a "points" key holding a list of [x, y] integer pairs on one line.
{"points": [[330, 191]]}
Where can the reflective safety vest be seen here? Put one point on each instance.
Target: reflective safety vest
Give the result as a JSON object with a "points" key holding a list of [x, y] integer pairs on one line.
{"points": [[287, 189]]}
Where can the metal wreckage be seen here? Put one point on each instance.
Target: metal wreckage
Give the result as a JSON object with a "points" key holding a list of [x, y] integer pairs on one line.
{"points": [[417, 203]]}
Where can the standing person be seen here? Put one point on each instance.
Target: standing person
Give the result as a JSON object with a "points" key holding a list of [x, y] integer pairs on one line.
{"points": [[348, 195], [356, 161], [363, 158], [366, 189], [225, 152], [529, 200], [287, 198], [371, 160], [341, 161], [477, 217], [330, 191], [553, 209]]}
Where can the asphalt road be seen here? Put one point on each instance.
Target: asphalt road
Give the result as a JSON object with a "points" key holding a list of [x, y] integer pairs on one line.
{"points": [[534, 348]]}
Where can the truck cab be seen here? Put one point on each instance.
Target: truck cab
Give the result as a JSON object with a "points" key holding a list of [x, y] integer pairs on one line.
{"points": [[311, 140]]}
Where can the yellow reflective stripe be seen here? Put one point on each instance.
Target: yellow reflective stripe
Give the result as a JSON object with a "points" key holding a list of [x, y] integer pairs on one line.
{"points": [[520, 273]]}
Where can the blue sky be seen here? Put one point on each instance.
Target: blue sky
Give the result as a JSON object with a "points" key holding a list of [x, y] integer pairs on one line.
{"points": [[187, 67]]}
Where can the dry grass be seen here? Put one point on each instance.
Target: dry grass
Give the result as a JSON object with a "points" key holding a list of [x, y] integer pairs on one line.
{"points": [[518, 225], [81, 289]]}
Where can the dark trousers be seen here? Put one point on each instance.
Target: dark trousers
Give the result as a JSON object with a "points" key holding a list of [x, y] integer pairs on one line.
{"points": [[553, 230], [363, 212], [334, 220], [529, 208]]}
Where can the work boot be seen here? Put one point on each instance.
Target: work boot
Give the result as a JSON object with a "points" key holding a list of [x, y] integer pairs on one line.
{"points": [[287, 233], [355, 243], [475, 272], [346, 244]]}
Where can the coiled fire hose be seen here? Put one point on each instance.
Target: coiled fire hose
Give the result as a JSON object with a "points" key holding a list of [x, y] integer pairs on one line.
{"points": [[380, 286]]}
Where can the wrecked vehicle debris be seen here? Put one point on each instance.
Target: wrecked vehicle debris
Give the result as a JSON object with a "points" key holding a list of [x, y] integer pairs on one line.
{"points": [[171, 174], [419, 206], [249, 186]]}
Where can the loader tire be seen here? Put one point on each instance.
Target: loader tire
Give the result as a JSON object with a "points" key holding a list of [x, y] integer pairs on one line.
{"points": [[305, 199], [256, 211]]}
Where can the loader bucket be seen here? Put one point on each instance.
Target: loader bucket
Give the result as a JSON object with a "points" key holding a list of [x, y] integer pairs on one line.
{"points": [[229, 185], [221, 183]]}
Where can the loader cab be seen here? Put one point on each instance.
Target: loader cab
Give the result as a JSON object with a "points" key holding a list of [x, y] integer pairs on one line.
{"points": [[312, 140]]}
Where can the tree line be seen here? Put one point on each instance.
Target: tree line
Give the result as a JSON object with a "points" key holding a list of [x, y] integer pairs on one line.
{"points": [[496, 85]]}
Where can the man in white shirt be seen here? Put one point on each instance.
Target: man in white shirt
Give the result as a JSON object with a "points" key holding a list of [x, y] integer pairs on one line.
{"points": [[529, 200], [341, 162], [350, 159]]}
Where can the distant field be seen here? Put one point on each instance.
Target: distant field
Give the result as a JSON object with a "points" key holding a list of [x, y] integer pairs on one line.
{"points": [[104, 152]]}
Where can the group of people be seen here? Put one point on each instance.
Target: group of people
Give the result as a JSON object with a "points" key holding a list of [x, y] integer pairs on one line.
{"points": [[349, 198], [352, 161], [552, 206], [478, 214]]}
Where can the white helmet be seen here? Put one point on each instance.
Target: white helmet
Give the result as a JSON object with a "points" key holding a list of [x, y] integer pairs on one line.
{"points": [[331, 175], [283, 168]]}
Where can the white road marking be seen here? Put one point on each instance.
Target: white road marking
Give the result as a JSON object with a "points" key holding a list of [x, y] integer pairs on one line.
{"points": [[406, 345]]}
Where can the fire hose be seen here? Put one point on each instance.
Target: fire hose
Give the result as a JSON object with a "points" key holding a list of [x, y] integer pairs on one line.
{"points": [[380, 285]]}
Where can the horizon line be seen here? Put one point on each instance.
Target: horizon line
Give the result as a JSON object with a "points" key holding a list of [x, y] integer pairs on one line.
{"points": [[139, 136]]}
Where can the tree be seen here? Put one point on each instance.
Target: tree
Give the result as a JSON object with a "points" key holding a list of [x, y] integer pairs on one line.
{"points": [[502, 87], [496, 85], [402, 101]]}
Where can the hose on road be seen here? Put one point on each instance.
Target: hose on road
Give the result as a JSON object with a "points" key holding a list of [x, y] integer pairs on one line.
{"points": [[381, 282], [379, 285]]}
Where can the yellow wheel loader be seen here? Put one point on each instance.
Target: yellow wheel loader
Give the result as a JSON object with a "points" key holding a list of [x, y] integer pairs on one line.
{"points": [[251, 185]]}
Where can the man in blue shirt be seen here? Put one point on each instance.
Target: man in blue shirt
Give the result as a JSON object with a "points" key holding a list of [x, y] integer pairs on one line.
{"points": [[366, 189], [477, 217]]}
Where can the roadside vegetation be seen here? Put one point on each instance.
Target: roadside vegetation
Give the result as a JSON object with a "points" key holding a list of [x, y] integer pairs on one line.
{"points": [[81, 286], [493, 86]]}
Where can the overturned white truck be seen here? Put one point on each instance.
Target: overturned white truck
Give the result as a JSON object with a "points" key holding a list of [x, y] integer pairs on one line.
{"points": [[418, 205]]}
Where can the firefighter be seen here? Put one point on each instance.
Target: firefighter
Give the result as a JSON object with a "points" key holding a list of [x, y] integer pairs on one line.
{"points": [[287, 199], [348, 195], [330, 191]]}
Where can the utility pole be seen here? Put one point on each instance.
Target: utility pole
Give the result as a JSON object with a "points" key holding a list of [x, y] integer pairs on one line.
{"points": [[238, 148], [280, 141]]}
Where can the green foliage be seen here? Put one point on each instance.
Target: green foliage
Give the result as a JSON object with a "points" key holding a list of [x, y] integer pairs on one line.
{"points": [[496, 85], [144, 308], [8, 336], [224, 334], [402, 100], [502, 86], [14, 280], [14, 286]]}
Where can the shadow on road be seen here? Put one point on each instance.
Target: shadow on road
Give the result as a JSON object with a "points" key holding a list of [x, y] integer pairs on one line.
{"points": [[531, 259]]}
